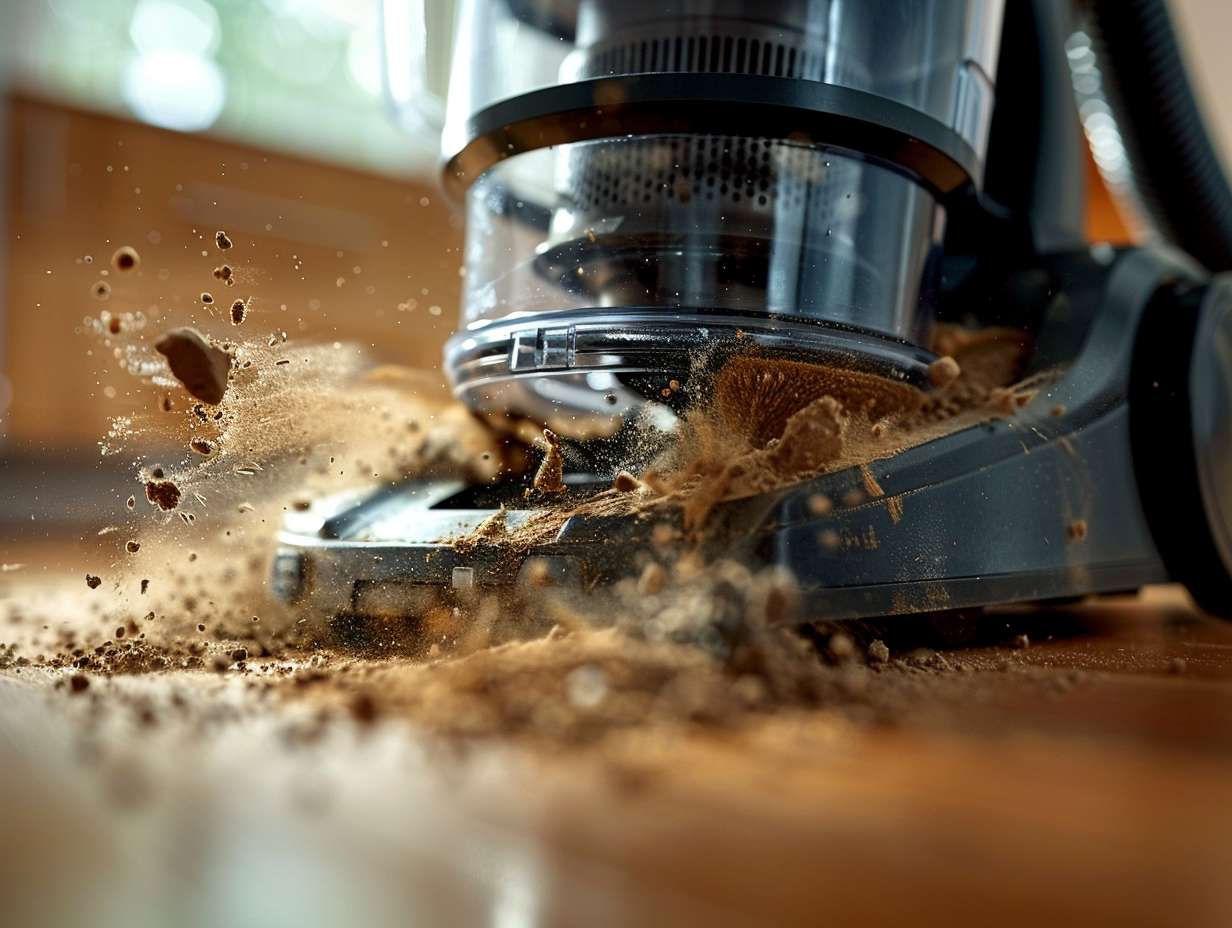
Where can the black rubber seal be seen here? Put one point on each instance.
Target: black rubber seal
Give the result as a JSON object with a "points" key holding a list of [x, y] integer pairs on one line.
{"points": [[717, 104]]}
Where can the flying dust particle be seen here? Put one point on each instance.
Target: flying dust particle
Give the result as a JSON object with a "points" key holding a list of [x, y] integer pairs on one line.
{"points": [[125, 258], [943, 372], [550, 478], [196, 363], [163, 493]]}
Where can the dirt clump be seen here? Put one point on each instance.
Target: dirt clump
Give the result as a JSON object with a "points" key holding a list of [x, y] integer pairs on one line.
{"points": [[239, 312], [125, 258], [165, 494], [197, 363], [755, 397], [93, 581], [625, 482], [222, 240], [943, 372], [550, 477]]}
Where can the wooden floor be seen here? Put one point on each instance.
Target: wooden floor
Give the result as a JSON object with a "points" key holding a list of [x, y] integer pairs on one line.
{"points": [[1085, 779]]}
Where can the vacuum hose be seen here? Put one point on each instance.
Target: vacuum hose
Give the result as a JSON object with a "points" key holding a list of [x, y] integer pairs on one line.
{"points": [[1174, 168]]}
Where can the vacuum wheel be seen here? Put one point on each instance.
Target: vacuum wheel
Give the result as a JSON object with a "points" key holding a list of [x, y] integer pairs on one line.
{"points": [[1181, 433]]}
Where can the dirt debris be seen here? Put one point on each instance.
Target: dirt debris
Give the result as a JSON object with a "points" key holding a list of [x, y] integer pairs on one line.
{"points": [[197, 363], [125, 258], [93, 581], [222, 240], [550, 477], [943, 372], [165, 494], [625, 482]]}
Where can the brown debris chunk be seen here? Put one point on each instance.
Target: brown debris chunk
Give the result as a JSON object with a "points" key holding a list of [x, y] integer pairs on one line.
{"points": [[756, 398], [206, 297], [239, 312], [625, 482], [200, 366], [132, 547], [101, 290], [93, 582], [125, 258], [652, 580], [222, 240], [943, 372], [225, 274], [131, 502], [811, 436], [820, 505], [163, 493], [202, 446], [364, 709], [550, 477], [841, 646], [878, 653], [78, 683], [1077, 530]]}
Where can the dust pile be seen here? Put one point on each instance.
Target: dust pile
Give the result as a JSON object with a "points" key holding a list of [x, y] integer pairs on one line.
{"points": [[260, 424], [766, 423]]}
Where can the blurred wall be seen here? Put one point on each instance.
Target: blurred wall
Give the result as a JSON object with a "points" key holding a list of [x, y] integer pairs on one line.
{"points": [[326, 252], [1206, 28]]}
